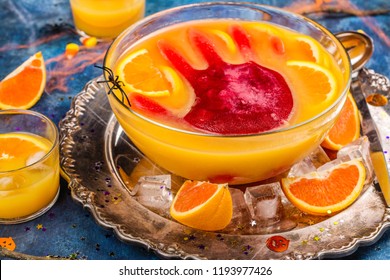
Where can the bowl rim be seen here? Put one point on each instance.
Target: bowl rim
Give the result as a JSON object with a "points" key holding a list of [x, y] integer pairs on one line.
{"points": [[241, 4]]}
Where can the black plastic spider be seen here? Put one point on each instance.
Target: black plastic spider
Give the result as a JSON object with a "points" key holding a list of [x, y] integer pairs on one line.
{"points": [[116, 84]]}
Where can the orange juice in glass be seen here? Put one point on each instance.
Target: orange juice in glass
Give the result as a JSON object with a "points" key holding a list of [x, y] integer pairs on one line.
{"points": [[229, 95], [29, 165], [105, 18]]}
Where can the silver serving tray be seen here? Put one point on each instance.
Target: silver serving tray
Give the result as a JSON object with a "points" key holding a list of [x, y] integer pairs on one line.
{"points": [[91, 143]]}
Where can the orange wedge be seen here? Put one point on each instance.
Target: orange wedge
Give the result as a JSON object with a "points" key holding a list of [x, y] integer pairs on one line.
{"points": [[316, 81], [346, 129], [203, 205], [23, 87], [326, 192]]}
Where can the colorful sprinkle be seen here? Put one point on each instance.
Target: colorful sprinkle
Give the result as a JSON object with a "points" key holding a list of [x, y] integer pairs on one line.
{"points": [[247, 249], [73, 256], [220, 237], [189, 238]]}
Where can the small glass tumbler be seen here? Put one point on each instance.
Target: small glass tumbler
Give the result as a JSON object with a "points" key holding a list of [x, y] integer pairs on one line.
{"points": [[105, 19], [29, 165]]}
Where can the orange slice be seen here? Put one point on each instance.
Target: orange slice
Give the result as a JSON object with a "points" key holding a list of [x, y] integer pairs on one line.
{"points": [[203, 205], [141, 75], [23, 87], [162, 83], [303, 48], [18, 150], [347, 127], [316, 81], [307, 49], [326, 192]]}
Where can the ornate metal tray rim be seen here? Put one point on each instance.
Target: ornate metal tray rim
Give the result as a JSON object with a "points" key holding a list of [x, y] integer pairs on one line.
{"points": [[81, 193]]}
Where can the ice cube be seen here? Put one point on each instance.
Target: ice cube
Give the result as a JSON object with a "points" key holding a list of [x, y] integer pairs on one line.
{"points": [[303, 167], [319, 157], [154, 192], [264, 203], [153, 186], [35, 157], [8, 183], [241, 218], [131, 169], [359, 148], [310, 163]]}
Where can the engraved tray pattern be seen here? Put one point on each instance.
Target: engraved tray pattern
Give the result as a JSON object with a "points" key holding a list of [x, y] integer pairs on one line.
{"points": [[90, 139]]}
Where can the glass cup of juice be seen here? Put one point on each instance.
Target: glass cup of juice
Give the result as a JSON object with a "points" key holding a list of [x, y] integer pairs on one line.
{"points": [[105, 19], [226, 92], [29, 165]]}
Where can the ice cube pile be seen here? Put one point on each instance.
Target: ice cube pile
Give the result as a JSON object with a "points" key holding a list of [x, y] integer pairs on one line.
{"points": [[257, 209]]}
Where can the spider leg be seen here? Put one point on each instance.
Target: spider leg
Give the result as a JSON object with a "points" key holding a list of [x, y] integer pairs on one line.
{"points": [[125, 95], [108, 70], [121, 84], [116, 83], [110, 90]]}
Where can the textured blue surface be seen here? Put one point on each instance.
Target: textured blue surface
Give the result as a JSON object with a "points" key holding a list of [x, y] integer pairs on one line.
{"points": [[68, 229]]}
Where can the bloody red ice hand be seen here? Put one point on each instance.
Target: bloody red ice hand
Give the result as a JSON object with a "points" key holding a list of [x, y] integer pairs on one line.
{"points": [[232, 98]]}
